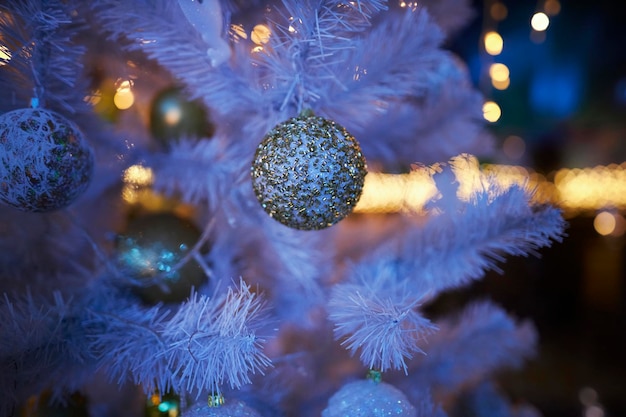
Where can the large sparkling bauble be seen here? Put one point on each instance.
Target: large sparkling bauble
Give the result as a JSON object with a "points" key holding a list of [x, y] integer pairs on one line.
{"points": [[228, 409], [173, 116], [308, 172], [153, 245], [45, 163], [367, 398]]}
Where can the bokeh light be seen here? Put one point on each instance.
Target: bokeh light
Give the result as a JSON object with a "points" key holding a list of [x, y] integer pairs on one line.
{"points": [[594, 411], [499, 72], [540, 21], [514, 147], [5, 54], [493, 43], [260, 34], [501, 85], [498, 11], [491, 111], [124, 97], [552, 7], [238, 31], [588, 396], [604, 223]]}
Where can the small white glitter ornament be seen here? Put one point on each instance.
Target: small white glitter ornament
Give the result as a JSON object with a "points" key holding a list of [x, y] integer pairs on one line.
{"points": [[367, 398], [308, 172], [224, 409], [45, 163]]}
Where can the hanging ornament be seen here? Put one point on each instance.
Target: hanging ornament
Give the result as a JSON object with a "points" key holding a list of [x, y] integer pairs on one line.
{"points": [[166, 405], [308, 172], [217, 406], [153, 246], [369, 398], [207, 18], [173, 116], [45, 163]]}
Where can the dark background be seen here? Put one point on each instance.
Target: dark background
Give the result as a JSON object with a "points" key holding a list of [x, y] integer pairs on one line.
{"points": [[567, 100]]}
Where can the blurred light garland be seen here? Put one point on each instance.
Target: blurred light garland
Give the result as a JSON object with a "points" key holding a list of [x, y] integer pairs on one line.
{"points": [[578, 191]]}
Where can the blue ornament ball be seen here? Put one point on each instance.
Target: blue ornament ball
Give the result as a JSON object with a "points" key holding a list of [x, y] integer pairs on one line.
{"points": [[45, 162], [308, 172], [367, 398]]}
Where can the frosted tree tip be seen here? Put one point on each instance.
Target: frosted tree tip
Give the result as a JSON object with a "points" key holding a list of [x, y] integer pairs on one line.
{"points": [[219, 54], [206, 17]]}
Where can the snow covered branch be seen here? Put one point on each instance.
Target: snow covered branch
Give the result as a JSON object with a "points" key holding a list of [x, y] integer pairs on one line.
{"points": [[206, 343]]}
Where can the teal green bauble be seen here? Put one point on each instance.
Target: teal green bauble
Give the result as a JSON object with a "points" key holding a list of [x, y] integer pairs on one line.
{"points": [[173, 116], [166, 405], [151, 249]]}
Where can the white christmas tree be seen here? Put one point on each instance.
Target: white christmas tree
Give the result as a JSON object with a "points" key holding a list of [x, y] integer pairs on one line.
{"points": [[198, 253]]}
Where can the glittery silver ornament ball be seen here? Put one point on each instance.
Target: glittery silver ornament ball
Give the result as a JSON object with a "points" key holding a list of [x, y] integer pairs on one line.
{"points": [[45, 163], [228, 409], [308, 172], [366, 398]]}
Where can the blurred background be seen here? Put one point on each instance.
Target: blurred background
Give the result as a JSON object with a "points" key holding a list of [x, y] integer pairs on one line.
{"points": [[554, 73]]}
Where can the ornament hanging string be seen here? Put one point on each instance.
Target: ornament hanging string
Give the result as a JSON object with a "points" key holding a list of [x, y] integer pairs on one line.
{"points": [[38, 89]]}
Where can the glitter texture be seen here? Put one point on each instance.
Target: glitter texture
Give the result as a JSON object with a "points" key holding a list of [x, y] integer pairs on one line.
{"points": [[368, 398], [308, 172], [45, 163], [153, 245], [229, 409]]}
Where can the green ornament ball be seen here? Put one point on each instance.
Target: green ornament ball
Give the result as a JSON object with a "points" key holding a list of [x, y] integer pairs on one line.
{"points": [[308, 172], [45, 162], [166, 405], [173, 116], [151, 247]]}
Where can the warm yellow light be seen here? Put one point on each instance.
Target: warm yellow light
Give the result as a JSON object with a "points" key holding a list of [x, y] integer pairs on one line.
{"points": [[540, 21], [493, 43], [124, 97], [491, 111], [499, 72], [592, 188], [388, 193], [137, 181], [498, 11], [604, 223], [501, 85], [138, 175], [239, 31], [260, 34], [575, 191], [5, 55]]}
